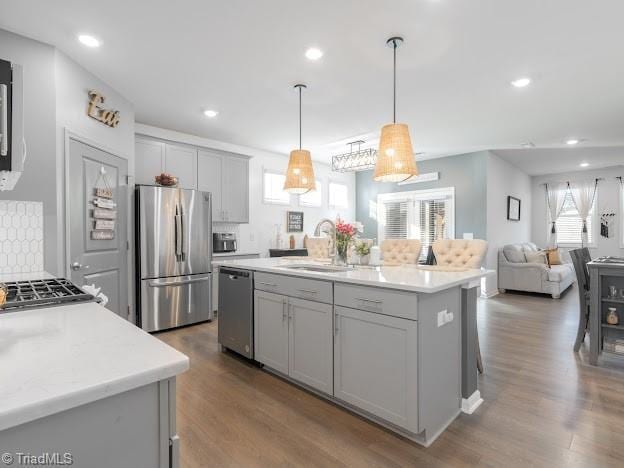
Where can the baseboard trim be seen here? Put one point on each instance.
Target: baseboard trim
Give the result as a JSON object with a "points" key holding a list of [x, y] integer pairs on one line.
{"points": [[469, 405], [490, 294]]}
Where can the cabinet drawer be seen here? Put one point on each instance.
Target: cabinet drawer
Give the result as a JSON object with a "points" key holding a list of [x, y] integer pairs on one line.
{"points": [[383, 301], [304, 288]]}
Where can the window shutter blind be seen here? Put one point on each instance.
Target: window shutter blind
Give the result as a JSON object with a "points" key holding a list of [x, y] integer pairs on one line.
{"points": [[396, 213], [428, 210], [569, 223]]}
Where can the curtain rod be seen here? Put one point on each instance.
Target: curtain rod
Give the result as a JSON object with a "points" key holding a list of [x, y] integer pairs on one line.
{"points": [[567, 181]]}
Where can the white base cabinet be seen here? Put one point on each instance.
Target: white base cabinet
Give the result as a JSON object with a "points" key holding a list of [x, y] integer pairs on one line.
{"points": [[294, 336], [376, 365]]}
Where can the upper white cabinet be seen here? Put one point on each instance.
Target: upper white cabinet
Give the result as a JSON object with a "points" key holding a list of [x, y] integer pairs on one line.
{"points": [[149, 160], [181, 161], [224, 175], [210, 169]]}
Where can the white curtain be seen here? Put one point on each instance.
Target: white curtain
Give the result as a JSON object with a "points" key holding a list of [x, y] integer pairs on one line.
{"points": [[555, 198], [583, 194]]}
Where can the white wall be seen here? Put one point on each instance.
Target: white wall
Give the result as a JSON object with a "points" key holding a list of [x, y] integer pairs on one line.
{"points": [[37, 183], [258, 235], [504, 179], [608, 200], [73, 83]]}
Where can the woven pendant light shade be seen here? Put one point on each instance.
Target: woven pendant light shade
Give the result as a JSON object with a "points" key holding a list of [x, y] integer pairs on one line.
{"points": [[395, 158], [300, 173]]}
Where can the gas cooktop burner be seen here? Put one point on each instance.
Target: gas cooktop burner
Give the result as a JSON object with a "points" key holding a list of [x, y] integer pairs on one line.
{"points": [[39, 293]]}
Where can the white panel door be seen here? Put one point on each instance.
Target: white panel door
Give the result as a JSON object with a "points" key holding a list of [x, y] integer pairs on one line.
{"points": [[375, 365], [209, 174], [310, 358], [181, 161], [149, 161], [271, 330], [236, 189]]}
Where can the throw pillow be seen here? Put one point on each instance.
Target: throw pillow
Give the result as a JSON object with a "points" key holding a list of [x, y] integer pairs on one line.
{"points": [[536, 257], [553, 256]]}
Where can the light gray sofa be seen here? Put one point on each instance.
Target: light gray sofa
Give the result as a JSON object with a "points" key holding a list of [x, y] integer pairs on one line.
{"points": [[514, 273]]}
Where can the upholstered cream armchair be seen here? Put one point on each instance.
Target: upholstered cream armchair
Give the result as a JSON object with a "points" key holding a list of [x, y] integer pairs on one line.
{"points": [[400, 251], [468, 253], [318, 247]]}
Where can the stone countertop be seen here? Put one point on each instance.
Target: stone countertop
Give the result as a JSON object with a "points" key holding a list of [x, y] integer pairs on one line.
{"points": [[233, 254], [32, 276], [415, 278], [53, 359]]}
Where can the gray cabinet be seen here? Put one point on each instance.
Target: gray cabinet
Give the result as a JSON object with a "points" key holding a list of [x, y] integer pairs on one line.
{"points": [[376, 365], [235, 195], [152, 157], [149, 160], [294, 337], [271, 330], [310, 354], [209, 170], [227, 178], [181, 161]]}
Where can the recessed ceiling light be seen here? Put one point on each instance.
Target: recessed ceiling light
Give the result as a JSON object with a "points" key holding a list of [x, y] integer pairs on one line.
{"points": [[584, 164], [89, 41], [572, 142], [521, 82], [313, 53], [210, 113]]}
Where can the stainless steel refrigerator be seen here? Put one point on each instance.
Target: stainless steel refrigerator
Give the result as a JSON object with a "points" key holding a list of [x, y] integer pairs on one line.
{"points": [[174, 256]]}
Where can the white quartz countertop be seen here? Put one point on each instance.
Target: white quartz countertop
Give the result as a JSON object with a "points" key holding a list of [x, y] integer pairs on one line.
{"points": [[416, 278], [57, 358], [31, 276], [233, 254]]}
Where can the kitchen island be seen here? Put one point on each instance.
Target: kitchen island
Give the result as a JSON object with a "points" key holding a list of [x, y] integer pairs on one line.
{"points": [[80, 383], [394, 344]]}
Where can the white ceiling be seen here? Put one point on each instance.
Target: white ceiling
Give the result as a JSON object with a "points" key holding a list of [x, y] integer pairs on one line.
{"points": [[173, 59], [539, 161]]}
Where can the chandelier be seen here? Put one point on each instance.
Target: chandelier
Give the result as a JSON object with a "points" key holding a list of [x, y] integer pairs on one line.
{"points": [[358, 160]]}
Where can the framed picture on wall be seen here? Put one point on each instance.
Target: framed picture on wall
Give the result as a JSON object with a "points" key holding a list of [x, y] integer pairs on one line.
{"points": [[294, 221], [513, 208]]}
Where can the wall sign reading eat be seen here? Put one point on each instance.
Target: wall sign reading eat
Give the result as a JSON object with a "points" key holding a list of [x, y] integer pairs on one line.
{"points": [[106, 116]]}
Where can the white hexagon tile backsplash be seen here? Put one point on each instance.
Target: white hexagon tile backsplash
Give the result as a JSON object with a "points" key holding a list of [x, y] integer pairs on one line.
{"points": [[21, 236]]}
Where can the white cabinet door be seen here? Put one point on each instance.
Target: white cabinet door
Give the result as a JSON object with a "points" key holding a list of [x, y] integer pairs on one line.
{"points": [[181, 161], [271, 330], [209, 171], [375, 365], [310, 359], [149, 161], [236, 189]]}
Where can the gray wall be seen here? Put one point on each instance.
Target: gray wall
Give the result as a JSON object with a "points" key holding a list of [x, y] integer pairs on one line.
{"points": [[38, 183], [466, 172]]}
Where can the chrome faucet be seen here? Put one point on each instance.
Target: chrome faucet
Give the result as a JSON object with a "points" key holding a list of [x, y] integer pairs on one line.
{"points": [[332, 233]]}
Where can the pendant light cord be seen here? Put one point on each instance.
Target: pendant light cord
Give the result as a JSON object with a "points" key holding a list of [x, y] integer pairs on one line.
{"points": [[300, 117], [394, 48]]}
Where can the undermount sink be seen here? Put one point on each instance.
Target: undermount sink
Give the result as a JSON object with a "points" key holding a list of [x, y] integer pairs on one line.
{"points": [[319, 268]]}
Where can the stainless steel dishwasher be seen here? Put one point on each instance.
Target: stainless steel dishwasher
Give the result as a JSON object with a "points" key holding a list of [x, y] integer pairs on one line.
{"points": [[235, 316]]}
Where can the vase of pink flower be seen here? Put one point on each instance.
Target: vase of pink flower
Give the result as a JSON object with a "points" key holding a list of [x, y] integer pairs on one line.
{"points": [[345, 233]]}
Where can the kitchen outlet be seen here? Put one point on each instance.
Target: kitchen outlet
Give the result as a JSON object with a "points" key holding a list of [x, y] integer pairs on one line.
{"points": [[441, 318]]}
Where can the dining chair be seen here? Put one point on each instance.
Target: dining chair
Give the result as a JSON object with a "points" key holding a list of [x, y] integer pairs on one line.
{"points": [[400, 251], [580, 259], [468, 253]]}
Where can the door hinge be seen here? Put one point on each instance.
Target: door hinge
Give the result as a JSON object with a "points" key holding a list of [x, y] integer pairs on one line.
{"points": [[129, 313], [128, 179]]}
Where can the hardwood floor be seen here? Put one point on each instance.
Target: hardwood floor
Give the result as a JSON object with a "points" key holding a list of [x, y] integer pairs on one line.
{"points": [[544, 404]]}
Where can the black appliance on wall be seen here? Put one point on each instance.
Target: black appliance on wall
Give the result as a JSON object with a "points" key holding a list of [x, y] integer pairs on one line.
{"points": [[12, 143], [223, 242]]}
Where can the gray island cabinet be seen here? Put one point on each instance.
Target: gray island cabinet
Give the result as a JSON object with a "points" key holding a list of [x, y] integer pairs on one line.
{"points": [[371, 342], [86, 386]]}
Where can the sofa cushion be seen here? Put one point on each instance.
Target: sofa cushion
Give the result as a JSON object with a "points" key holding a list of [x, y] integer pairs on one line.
{"points": [[514, 253], [559, 273], [536, 257]]}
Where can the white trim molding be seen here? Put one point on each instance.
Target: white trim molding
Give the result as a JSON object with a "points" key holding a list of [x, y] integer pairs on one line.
{"points": [[469, 405]]}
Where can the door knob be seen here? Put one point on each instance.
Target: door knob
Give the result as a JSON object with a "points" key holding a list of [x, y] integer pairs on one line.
{"points": [[77, 266]]}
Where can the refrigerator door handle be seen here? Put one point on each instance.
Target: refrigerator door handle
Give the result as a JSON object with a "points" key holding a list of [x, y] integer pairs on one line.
{"points": [[178, 234], [183, 244], [4, 135], [158, 284]]}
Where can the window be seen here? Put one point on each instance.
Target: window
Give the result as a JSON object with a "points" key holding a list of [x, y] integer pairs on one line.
{"points": [[338, 195], [569, 224], [274, 189], [313, 198], [423, 214]]}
